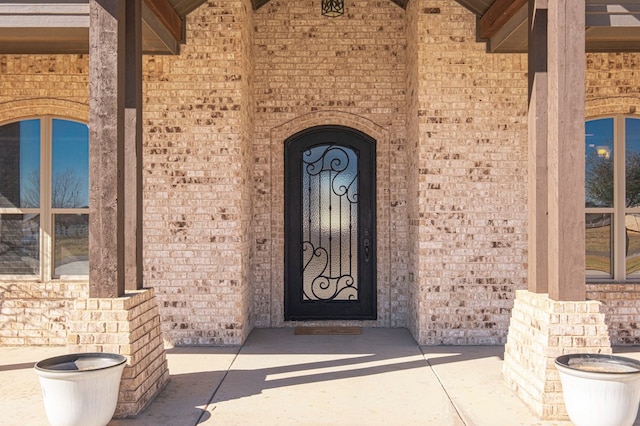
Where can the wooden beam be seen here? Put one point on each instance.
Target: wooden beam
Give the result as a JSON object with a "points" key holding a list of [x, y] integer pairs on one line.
{"points": [[133, 147], [512, 36], [565, 149], [106, 147], [44, 40], [401, 3], [257, 4], [476, 6], [497, 15], [157, 37], [167, 15], [185, 7], [610, 39], [538, 268]]}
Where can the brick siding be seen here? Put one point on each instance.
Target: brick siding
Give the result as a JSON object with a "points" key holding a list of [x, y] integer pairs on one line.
{"points": [[450, 121], [316, 70], [198, 162], [468, 179]]}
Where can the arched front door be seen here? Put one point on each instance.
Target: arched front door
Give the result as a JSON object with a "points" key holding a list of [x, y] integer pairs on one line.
{"points": [[330, 222]]}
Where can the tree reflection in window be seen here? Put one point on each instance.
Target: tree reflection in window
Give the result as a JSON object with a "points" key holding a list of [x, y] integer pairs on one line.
{"points": [[612, 197], [599, 195], [44, 204], [632, 197], [599, 163]]}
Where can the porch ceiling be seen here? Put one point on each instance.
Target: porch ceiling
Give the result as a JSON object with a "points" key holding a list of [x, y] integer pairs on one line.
{"points": [[612, 26], [62, 26]]}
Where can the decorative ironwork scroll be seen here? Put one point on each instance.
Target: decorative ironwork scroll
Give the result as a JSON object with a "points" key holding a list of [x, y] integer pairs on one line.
{"points": [[330, 223]]}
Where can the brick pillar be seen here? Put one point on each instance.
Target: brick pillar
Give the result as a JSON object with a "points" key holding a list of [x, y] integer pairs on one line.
{"points": [[541, 330], [130, 326], [553, 318]]}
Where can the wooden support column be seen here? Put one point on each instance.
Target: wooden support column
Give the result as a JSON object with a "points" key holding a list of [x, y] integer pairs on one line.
{"points": [[537, 161], [133, 146], [106, 152], [566, 73]]}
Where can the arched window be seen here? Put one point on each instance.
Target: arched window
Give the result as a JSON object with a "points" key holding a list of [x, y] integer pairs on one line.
{"points": [[612, 190], [44, 199]]}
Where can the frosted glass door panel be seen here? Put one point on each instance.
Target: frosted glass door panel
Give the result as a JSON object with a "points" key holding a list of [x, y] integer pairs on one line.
{"points": [[330, 223]]}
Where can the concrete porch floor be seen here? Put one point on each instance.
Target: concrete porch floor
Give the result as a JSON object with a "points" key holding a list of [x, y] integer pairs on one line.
{"points": [[381, 377]]}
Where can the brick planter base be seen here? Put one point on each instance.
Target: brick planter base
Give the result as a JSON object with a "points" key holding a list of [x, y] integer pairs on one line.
{"points": [[130, 326], [540, 330]]}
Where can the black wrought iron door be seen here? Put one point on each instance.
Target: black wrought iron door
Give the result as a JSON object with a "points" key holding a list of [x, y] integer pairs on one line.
{"points": [[330, 256]]}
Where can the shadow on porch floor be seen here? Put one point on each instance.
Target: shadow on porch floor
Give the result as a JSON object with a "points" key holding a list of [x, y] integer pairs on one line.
{"points": [[381, 377]]}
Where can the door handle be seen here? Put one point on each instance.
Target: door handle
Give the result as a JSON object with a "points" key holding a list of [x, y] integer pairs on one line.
{"points": [[366, 250]]}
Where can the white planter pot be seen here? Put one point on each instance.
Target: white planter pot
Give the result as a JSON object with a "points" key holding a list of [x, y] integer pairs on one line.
{"points": [[600, 390], [80, 389]]}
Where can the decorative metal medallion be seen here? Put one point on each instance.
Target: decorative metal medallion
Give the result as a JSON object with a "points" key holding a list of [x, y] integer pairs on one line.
{"points": [[332, 8]]}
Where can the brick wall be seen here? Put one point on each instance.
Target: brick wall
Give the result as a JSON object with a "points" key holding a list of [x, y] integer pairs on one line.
{"points": [[620, 305], [40, 77], [612, 84], [247, 139], [311, 70], [37, 314], [451, 128], [198, 161], [413, 138], [470, 182]]}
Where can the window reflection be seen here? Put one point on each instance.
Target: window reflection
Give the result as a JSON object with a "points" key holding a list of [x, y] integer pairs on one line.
{"points": [[71, 247], [632, 162], [632, 196], [598, 244], [632, 243], [20, 164], [19, 244], [599, 163], [70, 165], [24, 147]]}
